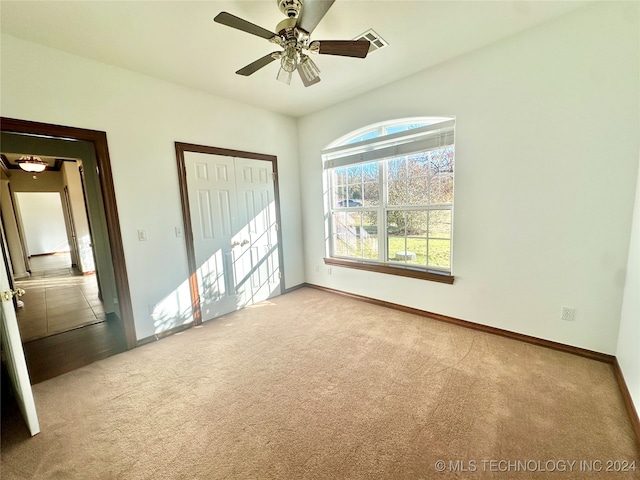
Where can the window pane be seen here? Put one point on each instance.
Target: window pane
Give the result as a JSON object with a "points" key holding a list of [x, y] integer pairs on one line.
{"points": [[445, 159], [355, 234], [441, 175], [396, 238], [441, 188], [402, 128], [340, 176], [440, 253], [407, 236], [371, 196], [416, 251], [440, 224], [354, 174], [417, 180], [366, 136], [397, 181], [355, 196], [356, 186], [354, 190], [339, 185], [416, 224]]}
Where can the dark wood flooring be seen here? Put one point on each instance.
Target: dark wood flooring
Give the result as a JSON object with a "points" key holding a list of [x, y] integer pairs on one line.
{"points": [[61, 289], [52, 356]]}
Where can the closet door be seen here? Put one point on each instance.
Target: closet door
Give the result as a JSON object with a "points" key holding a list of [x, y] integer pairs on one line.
{"points": [[213, 205], [234, 230], [256, 263]]}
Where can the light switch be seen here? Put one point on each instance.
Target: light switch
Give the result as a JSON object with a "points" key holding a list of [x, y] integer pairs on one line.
{"points": [[142, 235], [178, 232]]}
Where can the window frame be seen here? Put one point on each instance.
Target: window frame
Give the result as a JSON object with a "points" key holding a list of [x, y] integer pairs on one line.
{"points": [[346, 144]]}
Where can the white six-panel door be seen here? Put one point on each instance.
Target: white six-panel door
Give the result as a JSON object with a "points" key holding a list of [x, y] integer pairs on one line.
{"points": [[232, 208], [14, 354], [256, 265]]}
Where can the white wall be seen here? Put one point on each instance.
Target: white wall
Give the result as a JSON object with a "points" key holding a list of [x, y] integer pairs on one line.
{"points": [[546, 160], [628, 352], [143, 117], [10, 223], [43, 220], [72, 180]]}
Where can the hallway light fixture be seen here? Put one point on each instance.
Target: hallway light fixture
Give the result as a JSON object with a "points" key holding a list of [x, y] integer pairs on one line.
{"points": [[31, 164]]}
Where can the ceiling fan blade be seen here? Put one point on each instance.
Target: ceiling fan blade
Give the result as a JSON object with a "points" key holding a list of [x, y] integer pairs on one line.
{"points": [[236, 22], [345, 48], [312, 12], [257, 65]]}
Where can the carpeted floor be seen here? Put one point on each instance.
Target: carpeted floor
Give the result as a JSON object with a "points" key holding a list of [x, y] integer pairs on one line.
{"points": [[312, 385]]}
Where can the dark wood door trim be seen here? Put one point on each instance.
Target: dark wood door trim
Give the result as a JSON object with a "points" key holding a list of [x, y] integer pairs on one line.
{"points": [[186, 212], [99, 141]]}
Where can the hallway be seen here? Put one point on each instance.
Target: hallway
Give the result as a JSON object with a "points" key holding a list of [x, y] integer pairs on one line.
{"points": [[57, 298]]}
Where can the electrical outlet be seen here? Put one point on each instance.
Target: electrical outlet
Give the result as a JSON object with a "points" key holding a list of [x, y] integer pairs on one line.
{"points": [[568, 314], [329, 270], [317, 268], [142, 235]]}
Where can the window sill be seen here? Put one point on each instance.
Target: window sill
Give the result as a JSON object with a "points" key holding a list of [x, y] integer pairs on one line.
{"points": [[431, 275]]}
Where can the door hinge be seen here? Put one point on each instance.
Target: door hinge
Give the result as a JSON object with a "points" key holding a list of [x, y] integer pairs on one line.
{"points": [[276, 226], [274, 176], [7, 295], [279, 274]]}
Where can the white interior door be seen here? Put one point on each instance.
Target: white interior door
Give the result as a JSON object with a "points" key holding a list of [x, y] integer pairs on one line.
{"points": [[14, 355], [256, 263], [233, 219], [214, 217]]}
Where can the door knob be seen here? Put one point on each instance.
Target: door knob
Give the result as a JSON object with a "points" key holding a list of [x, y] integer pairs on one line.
{"points": [[235, 244], [7, 295], [244, 242]]}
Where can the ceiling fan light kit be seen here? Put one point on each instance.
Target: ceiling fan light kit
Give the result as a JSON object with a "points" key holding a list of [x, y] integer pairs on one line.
{"points": [[293, 36]]}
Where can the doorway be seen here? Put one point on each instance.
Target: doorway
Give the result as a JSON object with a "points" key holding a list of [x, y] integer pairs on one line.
{"points": [[62, 291], [82, 345], [231, 215]]}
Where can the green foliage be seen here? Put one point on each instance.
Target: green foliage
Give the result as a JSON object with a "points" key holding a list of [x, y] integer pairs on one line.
{"points": [[439, 251], [358, 247]]}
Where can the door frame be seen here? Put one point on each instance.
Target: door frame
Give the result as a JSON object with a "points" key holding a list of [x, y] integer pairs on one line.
{"points": [[73, 241], [99, 141], [181, 148]]}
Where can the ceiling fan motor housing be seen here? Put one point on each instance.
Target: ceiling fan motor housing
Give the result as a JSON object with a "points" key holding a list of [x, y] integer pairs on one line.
{"points": [[291, 8], [286, 29]]}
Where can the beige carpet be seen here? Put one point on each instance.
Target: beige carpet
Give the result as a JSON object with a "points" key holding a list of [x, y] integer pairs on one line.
{"points": [[312, 385]]}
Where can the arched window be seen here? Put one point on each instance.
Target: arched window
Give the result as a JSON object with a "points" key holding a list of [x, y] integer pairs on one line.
{"points": [[390, 192]]}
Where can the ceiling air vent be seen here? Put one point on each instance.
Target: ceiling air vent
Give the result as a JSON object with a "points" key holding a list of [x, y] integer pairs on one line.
{"points": [[376, 40]]}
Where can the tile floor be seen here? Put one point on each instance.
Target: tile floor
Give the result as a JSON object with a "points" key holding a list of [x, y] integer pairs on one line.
{"points": [[57, 298]]}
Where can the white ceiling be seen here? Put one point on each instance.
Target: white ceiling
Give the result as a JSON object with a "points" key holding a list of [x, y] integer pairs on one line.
{"points": [[178, 41]]}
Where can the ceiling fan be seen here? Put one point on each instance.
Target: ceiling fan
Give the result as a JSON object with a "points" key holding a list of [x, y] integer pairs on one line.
{"points": [[293, 36]]}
